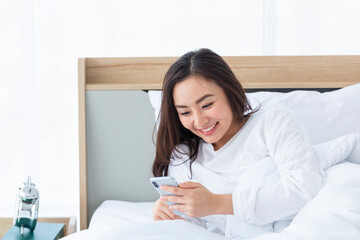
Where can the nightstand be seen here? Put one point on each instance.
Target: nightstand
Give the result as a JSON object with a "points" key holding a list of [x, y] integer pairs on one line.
{"points": [[70, 224]]}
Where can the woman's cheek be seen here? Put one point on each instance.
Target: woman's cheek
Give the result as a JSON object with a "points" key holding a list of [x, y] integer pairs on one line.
{"points": [[186, 123], [218, 112]]}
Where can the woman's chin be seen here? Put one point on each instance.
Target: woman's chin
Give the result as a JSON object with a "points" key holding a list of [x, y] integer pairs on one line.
{"points": [[211, 140]]}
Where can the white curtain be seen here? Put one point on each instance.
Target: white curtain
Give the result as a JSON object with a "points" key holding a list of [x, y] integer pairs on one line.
{"points": [[18, 103], [40, 42]]}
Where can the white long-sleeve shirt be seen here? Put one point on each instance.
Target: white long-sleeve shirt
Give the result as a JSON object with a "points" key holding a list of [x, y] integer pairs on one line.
{"points": [[269, 167]]}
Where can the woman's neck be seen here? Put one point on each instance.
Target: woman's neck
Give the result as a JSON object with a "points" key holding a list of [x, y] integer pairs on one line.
{"points": [[235, 127]]}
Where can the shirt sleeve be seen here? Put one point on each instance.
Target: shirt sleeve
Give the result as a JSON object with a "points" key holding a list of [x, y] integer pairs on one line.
{"points": [[300, 176]]}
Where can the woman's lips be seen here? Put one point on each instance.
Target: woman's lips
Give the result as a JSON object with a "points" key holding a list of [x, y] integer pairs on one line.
{"points": [[209, 130]]}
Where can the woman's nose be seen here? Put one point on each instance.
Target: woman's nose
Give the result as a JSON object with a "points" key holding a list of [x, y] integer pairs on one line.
{"points": [[200, 120]]}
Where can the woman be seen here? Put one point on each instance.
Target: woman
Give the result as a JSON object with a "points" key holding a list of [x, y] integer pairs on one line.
{"points": [[241, 171]]}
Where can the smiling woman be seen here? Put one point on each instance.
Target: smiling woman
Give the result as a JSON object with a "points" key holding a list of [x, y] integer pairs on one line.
{"points": [[211, 140]]}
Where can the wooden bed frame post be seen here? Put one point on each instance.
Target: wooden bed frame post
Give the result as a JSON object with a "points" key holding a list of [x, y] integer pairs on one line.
{"points": [[82, 144]]}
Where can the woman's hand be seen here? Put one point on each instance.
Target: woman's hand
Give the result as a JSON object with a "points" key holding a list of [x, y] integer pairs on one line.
{"points": [[197, 201], [161, 211]]}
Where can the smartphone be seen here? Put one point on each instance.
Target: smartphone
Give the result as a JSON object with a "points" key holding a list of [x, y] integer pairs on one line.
{"points": [[169, 181]]}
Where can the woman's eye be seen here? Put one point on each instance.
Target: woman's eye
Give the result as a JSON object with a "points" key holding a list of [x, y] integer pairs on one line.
{"points": [[207, 105], [185, 113]]}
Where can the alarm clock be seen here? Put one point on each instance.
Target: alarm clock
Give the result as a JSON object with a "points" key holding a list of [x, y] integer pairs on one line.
{"points": [[27, 207]]}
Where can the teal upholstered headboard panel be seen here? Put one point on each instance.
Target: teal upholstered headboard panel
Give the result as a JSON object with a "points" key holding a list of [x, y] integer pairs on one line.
{"points": [[119, 147]]}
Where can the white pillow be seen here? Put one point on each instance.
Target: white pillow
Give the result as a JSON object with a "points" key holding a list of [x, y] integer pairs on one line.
{"points": [[325, 116], [346, 147]]}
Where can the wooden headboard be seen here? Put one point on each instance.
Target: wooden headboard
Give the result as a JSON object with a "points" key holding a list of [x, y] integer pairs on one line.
{"points": [[257, 72]]}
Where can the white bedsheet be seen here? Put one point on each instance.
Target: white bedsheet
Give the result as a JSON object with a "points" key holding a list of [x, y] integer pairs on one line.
{"points": [[333, 214], [120, 212]]}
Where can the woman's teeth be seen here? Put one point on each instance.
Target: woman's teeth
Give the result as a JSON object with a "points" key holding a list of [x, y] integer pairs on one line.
{"points": [[209, 128]]}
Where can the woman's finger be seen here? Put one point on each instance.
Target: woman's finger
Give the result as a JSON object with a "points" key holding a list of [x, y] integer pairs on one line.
{"points": [[171, 189], [190, 184], [178, 207], [170, 213], [163, 216], [171, 198]]}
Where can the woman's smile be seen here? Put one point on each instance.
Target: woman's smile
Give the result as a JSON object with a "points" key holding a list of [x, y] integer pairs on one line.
{"points": [[209, 130]]}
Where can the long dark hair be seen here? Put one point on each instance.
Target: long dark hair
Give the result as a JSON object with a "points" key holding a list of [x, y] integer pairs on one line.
{"points": [[171, 132]]}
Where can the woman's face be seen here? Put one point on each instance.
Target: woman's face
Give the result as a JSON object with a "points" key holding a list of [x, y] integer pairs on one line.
{"points": [[204, 109]]}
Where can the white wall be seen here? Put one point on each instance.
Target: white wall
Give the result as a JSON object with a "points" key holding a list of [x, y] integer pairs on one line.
{"points": [[41, 40]]}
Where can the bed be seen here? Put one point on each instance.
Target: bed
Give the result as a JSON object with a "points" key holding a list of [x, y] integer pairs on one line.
{"points": [[324, 92]]}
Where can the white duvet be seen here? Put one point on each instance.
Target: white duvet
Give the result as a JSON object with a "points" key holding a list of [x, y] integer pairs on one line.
{"points": [[333, 214]]}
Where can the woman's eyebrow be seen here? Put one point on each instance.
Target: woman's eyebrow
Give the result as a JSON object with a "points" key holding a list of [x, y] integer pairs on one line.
{"points": [[197, 101], [203, 98]]}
